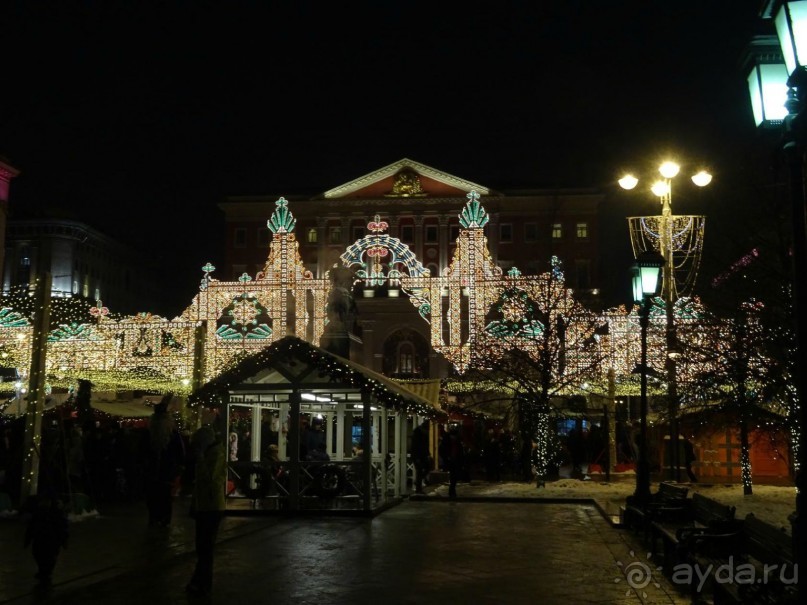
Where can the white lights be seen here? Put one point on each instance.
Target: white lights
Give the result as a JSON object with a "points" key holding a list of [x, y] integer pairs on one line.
{"points": [[628, 181], [663, 187], [702, 178], [660, 188], [669, 169]]}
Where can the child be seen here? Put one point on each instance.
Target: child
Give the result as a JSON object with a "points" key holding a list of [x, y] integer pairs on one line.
{"points": [[47, 534]]}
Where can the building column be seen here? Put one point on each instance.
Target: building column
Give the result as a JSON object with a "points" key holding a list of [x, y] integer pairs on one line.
{"points": [[419, 236], [340, 431], [442, 262], [493, 237], [322, 234]]}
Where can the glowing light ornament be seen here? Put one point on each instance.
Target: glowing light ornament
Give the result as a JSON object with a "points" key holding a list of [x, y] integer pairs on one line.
{"points": [[284, 292], [371, 253], [99, 311]]}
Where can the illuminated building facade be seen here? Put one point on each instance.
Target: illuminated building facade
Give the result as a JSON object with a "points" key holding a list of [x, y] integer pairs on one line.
{"points": [[420, 207]]}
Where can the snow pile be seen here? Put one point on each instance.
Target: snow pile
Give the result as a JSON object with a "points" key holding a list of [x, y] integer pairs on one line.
{"points": [[770, 503]]}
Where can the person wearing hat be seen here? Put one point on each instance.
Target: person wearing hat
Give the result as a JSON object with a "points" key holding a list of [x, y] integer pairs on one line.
{"points": [[165, 459], [208, 501]]}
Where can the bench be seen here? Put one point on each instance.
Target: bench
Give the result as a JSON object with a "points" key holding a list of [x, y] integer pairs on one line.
{"points": [[762, 569], [669, 497], [674, 527]]}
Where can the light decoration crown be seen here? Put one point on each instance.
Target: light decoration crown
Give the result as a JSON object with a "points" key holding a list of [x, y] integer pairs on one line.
{"points": [[282, 220], [473, 216]]}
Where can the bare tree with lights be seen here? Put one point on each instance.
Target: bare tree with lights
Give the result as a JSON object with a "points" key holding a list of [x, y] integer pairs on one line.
{"points": [[539, 343]]}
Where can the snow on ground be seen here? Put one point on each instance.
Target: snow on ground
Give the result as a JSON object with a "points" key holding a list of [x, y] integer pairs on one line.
{"points": [[770, 503]]}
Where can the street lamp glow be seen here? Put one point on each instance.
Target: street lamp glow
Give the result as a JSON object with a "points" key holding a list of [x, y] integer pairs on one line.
{"points": [[702, 179], [660, 188], [628, 181], [791, 27], [647, 276], [669, 170]]}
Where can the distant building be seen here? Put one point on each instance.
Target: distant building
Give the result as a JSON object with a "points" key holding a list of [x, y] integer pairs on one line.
{"points": [[82, 262], [420, 205], [7, 172]]}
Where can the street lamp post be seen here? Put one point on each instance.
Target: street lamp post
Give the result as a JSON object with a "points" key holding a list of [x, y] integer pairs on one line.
{"points": [[646, 273], [668, 247], [772, 85]]}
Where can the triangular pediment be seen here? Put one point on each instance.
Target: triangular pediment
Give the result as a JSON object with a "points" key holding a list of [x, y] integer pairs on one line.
{"points": [[406, 178]]}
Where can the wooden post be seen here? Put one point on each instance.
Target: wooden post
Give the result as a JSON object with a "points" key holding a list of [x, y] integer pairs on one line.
{"points": [[36, 390]]}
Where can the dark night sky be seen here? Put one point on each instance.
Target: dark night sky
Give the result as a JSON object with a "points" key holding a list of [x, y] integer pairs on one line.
{"points": [[139, 117]]}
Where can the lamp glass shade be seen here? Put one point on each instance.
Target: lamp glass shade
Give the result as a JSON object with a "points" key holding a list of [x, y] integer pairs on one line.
{"points": [[628, 181], [636, 282], [660, 188], [651, 276], [647, 275], [669, 169], [792, 33], [702, 178], [767, 85]]}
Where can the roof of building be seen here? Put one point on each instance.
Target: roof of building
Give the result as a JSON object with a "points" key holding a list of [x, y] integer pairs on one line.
{"points": [[293, 361]]}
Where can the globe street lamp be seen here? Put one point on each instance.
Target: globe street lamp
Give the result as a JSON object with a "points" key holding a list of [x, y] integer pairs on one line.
{"points": [[772, 84], [679, 239], [646, 279]]}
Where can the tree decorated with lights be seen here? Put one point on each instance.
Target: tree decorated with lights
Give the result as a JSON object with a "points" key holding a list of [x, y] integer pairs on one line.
{"points": [[538, 343], [732, 376]]}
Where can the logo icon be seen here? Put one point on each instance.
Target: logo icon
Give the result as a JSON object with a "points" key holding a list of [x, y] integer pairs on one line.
{"points": [[638, 574]]}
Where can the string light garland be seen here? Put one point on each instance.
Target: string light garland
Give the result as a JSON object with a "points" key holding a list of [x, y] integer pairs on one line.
{"points": [[477, 314]]}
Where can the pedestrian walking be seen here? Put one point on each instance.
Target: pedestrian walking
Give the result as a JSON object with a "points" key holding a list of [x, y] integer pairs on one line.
{"points": [[421, 454], [689, 458], [166, 456], [208, 503], [453, 454], [493, 457], [46, 533]]}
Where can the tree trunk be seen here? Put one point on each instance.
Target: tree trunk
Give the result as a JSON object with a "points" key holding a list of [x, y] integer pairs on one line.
{"points": [[745, 458]]}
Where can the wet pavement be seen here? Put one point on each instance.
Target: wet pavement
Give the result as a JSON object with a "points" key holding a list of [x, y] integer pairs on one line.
{"points": [[420, 551]]}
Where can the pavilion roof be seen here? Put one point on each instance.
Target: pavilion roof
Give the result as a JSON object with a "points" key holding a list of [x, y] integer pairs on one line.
{"points": [[295, 361]]}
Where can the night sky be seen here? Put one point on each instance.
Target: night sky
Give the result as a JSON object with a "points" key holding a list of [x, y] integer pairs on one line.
{"points": [[139, 117]]}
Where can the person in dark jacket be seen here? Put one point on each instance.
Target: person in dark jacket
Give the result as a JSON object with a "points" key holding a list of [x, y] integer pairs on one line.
{"points": [[453, 454], [208, 504], [421, 455], [166, 456], [47, 534]]}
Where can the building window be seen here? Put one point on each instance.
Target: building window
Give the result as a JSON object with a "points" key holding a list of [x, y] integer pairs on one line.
{"points": [[312, 235], [358, 232], [86, 291], [582, 230], [264, 237], [408, 234], [531, 232], [75, 287], [557, 231], [240, 237], [406, 358], [505, 232], [431, 234], [98, 294], [453, 232], [335, 235]]}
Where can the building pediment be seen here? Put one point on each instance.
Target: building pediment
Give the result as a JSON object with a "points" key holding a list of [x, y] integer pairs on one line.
{"points": [[403, 179]]}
